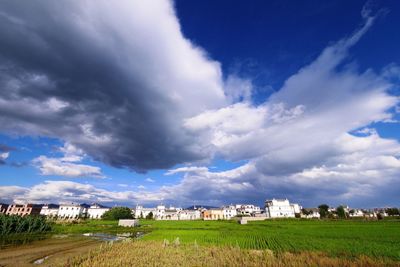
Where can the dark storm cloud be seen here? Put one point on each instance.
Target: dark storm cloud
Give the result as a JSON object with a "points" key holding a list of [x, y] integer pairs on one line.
{"points": [[104, 78]]}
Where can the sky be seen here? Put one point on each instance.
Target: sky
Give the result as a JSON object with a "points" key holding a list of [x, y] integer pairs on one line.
{"points": [[200, 102]]}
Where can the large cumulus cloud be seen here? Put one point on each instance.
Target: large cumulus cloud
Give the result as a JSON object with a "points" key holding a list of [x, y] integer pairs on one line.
{"points": [[114, 79], [304, 142]]}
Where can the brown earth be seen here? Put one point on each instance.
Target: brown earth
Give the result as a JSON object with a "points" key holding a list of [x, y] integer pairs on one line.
{"points": [[52, 251]]}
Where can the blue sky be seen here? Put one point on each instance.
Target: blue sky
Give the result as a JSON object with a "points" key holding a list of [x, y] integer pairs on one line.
{"points": [[200, 102]]}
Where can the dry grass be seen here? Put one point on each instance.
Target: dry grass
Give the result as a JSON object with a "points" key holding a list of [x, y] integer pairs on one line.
{"points": [[155, 253]]}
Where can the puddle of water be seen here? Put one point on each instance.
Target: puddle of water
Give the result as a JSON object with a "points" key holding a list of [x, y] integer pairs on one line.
{"points": [[40, 261], [113, 237]]}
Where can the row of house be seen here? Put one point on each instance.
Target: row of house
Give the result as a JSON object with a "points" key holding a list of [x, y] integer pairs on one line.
{"points": [[274, 208], [161, 212], [62, 211]]}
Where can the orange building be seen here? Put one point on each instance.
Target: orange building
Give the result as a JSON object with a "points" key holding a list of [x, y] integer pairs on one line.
{"points": [[213, 214]]}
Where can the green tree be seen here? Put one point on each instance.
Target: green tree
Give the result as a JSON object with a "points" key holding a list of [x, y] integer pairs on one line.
{"points": [[392, 211], [323, 210], [341, 212], [117, 213], [149, 216]]}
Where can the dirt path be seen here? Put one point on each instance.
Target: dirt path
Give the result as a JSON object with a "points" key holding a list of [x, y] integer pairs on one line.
{"points": [[52, 250]]}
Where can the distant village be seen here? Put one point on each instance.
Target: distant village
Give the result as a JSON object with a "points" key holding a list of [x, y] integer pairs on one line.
{"points": [[274, 208]]}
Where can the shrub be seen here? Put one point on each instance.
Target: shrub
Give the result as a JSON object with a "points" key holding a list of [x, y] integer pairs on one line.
{"points": [[13, 224], [323, 210], [149, 216], [117, 213]]}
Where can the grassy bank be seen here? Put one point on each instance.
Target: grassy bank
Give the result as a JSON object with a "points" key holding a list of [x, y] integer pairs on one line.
{"points": [[376, 239], [91, 226], [155, 253]]}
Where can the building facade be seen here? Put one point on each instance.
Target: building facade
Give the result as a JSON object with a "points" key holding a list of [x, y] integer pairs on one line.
{"points": [[3, 208], [50, 210], [72, 211], [213, 214], [96, 211], [281, 208], [23, 209], [189, 215], [229, 212], [247, 210], [141, 212], [311, 213]]}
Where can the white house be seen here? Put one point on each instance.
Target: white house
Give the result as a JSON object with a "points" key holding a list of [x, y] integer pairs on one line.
{"points": [[96, 211], [247, 210], [356, 213], [189, 215], [281, 208], [49, 210], [141, 212], [229, 211], [171, 213], [311, 213], [296, 208], [72, 211]]}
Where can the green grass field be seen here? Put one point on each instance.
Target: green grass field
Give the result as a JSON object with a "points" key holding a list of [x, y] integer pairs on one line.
{"points": [[91, 226], [377, 239]]}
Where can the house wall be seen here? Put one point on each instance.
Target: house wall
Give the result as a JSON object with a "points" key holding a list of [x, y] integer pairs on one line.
{"points": [[96, 213], [71, 211], [49, 212], [279, 209], [23, 210]]}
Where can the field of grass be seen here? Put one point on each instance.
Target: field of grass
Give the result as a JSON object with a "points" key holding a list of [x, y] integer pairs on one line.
{"points": [[91, 226], [376, 239], [227, 243], [156, 253]]}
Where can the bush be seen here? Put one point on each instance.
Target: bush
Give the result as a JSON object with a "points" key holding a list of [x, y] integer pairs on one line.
{"points": [[149, 216], [14, 224], [117, 213], [341, 212], [393, 211], [323, 210]]}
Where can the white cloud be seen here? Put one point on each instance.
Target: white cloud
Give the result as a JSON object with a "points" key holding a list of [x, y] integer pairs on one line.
{"points": [[67, 191], [298, 142], [149, 180], [11, 193], [238, 89], [57, 166], [367, 131], [186, 170], [4, 156], [67, 165]]}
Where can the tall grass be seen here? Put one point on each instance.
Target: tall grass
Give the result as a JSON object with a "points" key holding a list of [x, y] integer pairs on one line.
{"points": [[11, 225], [155, 253]]}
